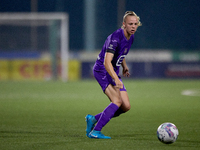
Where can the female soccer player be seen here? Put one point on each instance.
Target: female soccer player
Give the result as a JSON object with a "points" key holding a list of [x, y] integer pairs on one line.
{"points": [[106, 72]]}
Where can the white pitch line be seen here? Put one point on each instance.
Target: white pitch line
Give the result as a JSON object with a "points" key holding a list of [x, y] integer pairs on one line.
{"points": [[191, 92]]}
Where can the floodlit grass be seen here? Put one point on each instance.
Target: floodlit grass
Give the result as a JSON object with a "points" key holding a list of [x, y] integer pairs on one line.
{"points": [[51, 115]]}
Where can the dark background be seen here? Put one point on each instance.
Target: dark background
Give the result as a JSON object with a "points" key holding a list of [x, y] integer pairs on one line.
{"points": [[167, 24]]}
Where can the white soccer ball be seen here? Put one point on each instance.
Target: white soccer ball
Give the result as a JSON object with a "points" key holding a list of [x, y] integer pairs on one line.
{"points": [[167, 133]]}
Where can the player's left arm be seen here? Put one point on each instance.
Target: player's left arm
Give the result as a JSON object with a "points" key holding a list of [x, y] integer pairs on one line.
{"points": [[125, 70]]}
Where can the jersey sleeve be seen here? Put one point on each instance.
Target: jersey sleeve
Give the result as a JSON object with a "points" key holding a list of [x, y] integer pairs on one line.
{"points": [[112, 43]]}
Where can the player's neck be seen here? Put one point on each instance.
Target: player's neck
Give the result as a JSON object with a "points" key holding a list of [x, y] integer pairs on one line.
{"points": [[127, 35]]}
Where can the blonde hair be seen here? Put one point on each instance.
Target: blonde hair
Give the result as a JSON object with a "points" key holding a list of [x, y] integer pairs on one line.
{"points": [[131, 13]]}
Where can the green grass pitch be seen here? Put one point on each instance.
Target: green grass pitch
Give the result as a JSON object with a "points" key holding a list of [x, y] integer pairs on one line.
{"points": [[51, 115]]}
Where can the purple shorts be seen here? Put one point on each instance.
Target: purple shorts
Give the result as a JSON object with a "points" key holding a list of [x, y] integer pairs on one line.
{"points": [[104, 79]]}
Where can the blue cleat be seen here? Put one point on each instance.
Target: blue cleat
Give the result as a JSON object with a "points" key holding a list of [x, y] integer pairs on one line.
{"points": [[98, 135], [90, 120]]}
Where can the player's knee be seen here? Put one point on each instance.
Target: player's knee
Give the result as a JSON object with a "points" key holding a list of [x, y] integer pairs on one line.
{"points": [[127, 108]]}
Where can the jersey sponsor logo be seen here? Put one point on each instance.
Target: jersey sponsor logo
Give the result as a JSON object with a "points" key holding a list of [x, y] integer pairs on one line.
{"points": [[119, 61], [98, 57]]}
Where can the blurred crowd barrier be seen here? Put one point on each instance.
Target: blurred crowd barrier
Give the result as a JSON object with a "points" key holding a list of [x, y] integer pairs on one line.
{"points": [[35, 69], [142, 64], [154, 64]]}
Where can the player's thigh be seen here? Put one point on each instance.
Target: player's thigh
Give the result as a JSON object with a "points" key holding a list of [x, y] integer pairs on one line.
{"points": [[125, 100], [113, 94]]}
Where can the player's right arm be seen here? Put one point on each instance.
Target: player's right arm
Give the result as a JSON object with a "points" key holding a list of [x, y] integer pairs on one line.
{"points": [[110, 70]]}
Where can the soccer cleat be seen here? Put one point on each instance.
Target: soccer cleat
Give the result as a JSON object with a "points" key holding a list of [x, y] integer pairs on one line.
{"points": [[90, 120], [98, 135]]}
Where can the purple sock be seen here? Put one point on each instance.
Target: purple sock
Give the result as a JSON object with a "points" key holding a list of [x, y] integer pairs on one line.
{"points": [[117, 113], [106, 115], [98, 116]]}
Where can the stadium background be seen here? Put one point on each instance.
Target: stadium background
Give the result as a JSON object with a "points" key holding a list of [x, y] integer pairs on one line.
{"points": [[166, 46], [36, 114]]}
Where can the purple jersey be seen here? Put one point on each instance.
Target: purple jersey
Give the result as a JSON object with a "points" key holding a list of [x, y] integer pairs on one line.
{"points": [[117, 44]]}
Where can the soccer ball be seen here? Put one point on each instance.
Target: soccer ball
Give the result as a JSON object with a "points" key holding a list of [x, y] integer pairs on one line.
{"points": [[167, 133]]}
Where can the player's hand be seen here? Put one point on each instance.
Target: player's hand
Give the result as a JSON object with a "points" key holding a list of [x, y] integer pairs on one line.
{"points": [[126, 72], [119, 84]]}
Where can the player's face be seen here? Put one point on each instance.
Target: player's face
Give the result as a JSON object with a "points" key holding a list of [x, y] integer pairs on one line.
{"points": [[130, 25]]}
